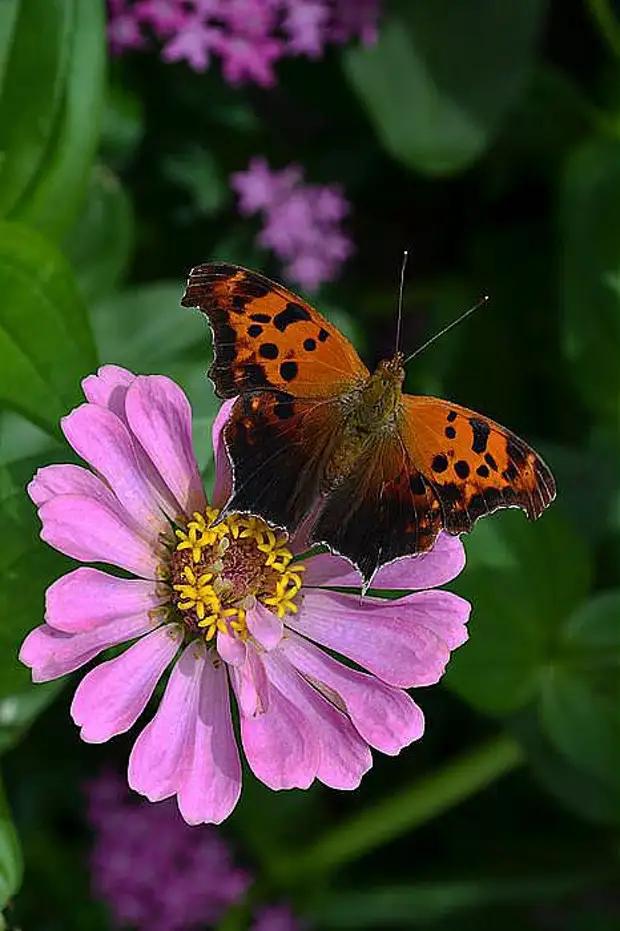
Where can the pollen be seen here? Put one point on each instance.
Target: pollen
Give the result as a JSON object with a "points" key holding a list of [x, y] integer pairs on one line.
{"points": [[219, 570]]}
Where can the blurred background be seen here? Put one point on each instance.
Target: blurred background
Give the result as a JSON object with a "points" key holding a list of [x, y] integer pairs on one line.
{"points": [[314, 140]]}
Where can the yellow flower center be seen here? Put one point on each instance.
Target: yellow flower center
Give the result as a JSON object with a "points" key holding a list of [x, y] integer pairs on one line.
{"points": [[219, 571]]}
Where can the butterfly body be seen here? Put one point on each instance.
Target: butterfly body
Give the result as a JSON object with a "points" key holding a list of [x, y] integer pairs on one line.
{"points": [[313, 435]]}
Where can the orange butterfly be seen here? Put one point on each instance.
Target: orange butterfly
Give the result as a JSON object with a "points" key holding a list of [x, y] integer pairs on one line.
{"points": [[313, 431]]}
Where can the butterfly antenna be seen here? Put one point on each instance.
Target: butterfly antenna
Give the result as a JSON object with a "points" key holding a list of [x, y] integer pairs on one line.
{"points": [[401, 288], [446, 329]]}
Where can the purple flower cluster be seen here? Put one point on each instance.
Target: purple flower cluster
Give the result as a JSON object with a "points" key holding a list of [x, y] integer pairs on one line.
{"points": [[248, 36], [153, 870], [301, 222]]}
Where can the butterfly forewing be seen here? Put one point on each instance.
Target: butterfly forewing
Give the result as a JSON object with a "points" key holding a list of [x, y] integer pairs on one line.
{"points": [[265, 337]]}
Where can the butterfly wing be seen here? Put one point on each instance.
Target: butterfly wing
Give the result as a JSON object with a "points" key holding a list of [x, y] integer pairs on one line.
{"points": [[279, 446], [265, 337], [441, 467], [384, 509], [474, 465]]}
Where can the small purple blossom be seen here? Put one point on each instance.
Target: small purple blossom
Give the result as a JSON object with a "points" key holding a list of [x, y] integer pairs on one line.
{"points": [[153, 870], [276, 918], [248, 36], [300, 221]]}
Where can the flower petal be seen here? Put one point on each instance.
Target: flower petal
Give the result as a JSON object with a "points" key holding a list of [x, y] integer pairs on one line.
{"points": [[160, 755], [104, 442], [387, 718], [389, 638], [212, 786], [222, 485], [96, 531], [231, 649], [265, 626], [410, 573], [280, 748], [54, 480], [250, 684], [111, 697], [86, 598], [52, 653], [108, 387], [428, 570], [344, 757], [160, 417]]}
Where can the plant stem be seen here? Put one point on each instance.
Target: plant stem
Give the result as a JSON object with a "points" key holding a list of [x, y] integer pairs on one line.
{"points": [[399, 813], [603, 14]]}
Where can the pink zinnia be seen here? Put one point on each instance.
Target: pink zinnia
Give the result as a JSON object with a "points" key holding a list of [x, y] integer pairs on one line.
{"points": [[224, 605]]}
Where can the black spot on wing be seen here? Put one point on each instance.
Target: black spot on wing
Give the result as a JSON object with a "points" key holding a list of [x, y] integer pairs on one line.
{"points": [[292, 313], [288, 371], [309, 344], [490, 461], [268, 351], [451, 417], [255, 330], [323, 335], [483, 471], [260, 318], [439, 463], [480, 434], [461, 468], [450, 432]]}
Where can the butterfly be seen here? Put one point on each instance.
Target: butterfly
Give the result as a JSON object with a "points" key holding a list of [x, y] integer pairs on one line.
{"points": [[314, 436]]}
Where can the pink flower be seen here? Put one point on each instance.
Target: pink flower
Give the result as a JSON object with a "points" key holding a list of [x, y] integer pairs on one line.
{"points": [[222, 605], [248, 35], [300, 221], [152, 870]]}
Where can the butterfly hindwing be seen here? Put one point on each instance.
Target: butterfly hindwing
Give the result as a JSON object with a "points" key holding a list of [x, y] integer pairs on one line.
{"points": [[265, 337], [279, 447], [382, 510], [474, 465]]}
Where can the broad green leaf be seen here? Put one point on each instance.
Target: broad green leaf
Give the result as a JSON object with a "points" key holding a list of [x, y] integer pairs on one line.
{"points": [[18, 710], [45, 340], [53, 199], [32, 92], [438, 83], [145, 329], [99, 243], [9, 11], [197, 172], [590, 230], [580, 700], [518, 607], [424, 903], [11, 864]]}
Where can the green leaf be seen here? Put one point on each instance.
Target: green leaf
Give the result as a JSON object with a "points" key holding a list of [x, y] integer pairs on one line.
{"points": [[425, 903], [45, 341], [518, 607], [580, 701], [145, 329], [99, 243], [18, 710], [590, 229], [9, 11], [438, 83], [11, 864], [52, 202], [32, 92]]}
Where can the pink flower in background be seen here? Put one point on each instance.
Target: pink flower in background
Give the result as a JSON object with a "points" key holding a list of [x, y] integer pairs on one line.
{"points": [[275, 918], [248, 36], [153, 871], [301, 222], [223, 606]]}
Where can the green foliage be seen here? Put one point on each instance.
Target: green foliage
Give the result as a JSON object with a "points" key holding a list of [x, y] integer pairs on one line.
{"points": [[438, 84], [45, 340], [485, 138]]}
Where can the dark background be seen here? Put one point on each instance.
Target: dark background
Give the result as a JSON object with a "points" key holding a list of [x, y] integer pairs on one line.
{"points": [[517, 196]]}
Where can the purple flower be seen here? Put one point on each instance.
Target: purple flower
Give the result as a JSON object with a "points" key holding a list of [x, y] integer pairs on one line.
{"points": [[224, 606], [275, 918], [300, 221], [152, 870], [249, 36]]}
